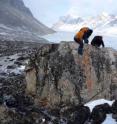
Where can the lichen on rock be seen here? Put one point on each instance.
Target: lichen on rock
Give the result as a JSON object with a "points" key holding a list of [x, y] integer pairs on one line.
{"points": [[64, 77]]}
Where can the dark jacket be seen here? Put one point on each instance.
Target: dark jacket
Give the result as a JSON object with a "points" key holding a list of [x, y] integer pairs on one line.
{"points": [[97, 41]]}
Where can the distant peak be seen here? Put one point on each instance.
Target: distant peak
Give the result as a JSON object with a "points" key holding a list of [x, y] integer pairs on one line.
{"points": [[73, 16], [105, 14], [70, 19], [70, 16]]}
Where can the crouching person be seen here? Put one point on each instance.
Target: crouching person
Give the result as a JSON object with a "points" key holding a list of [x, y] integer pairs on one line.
{"points": [[83, 34], [97, 41]]}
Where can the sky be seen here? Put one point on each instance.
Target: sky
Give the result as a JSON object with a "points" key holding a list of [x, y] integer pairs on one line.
{"points": [[49, 11]]}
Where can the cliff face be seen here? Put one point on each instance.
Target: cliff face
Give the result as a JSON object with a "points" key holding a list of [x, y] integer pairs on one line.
{"points": [[58, 75], [18, 4], [15, 14], [18, 24]]}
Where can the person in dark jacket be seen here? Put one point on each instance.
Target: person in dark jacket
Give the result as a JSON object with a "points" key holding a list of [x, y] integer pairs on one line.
{"points": [[83, 34], [97, 41]]}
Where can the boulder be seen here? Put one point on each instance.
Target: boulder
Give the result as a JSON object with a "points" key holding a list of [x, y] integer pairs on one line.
{"points": [[76, 115], [98, 115], [57, 73], [114, 110]]}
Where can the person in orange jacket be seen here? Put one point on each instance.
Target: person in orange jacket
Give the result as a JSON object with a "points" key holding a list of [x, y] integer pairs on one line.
{"points": [[83, 34]]}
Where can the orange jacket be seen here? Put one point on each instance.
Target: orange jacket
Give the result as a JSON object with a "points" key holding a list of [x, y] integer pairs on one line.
{"points": [[79, 35]]}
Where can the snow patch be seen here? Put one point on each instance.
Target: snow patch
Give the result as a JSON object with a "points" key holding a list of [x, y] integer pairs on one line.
{"points": [[22, 67], [3, 33], [92, 104], [17, 70], [109, 120], [9, 61], [5, 27]]}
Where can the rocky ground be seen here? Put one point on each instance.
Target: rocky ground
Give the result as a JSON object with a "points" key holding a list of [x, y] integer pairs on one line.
{"points": [[14, 56]]}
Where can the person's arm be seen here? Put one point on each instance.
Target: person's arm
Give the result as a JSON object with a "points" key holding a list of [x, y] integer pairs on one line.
{"points": [[86, 40]]}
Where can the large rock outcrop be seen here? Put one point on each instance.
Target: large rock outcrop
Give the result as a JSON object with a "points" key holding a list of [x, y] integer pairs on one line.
{"points": [[57, 75]]}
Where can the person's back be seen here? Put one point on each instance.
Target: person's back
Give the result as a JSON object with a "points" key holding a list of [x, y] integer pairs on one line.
{"points": [[79, 35], [97, 41]]}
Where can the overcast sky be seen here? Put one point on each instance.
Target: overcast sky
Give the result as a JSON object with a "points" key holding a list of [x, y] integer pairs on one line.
{"points": [[49, 11]]}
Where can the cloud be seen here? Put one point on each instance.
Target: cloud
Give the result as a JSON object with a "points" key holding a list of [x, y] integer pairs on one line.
{"points": [[92, 7], [73, 11], [110, 1], [48, 11]]}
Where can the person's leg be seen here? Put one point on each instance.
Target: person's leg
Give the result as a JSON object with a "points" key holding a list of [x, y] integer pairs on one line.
{"points": [[80, 49], [86, 40]]}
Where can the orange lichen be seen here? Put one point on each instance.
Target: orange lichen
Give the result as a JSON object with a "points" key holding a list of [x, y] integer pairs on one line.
{"points": [[89, 84], [86, 63]]}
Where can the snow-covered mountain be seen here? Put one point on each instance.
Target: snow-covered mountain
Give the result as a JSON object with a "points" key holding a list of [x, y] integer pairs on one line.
{"points": [[103, 22], [71, 19], [67, 22]]}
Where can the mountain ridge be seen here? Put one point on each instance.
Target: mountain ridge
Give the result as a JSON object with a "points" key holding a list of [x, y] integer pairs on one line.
{"points": [[98, 22], [17, 19], [19, 5]]}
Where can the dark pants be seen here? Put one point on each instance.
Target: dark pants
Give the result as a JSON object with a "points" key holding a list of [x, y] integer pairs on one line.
{"points": [[85, 38], [80, 48]]}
